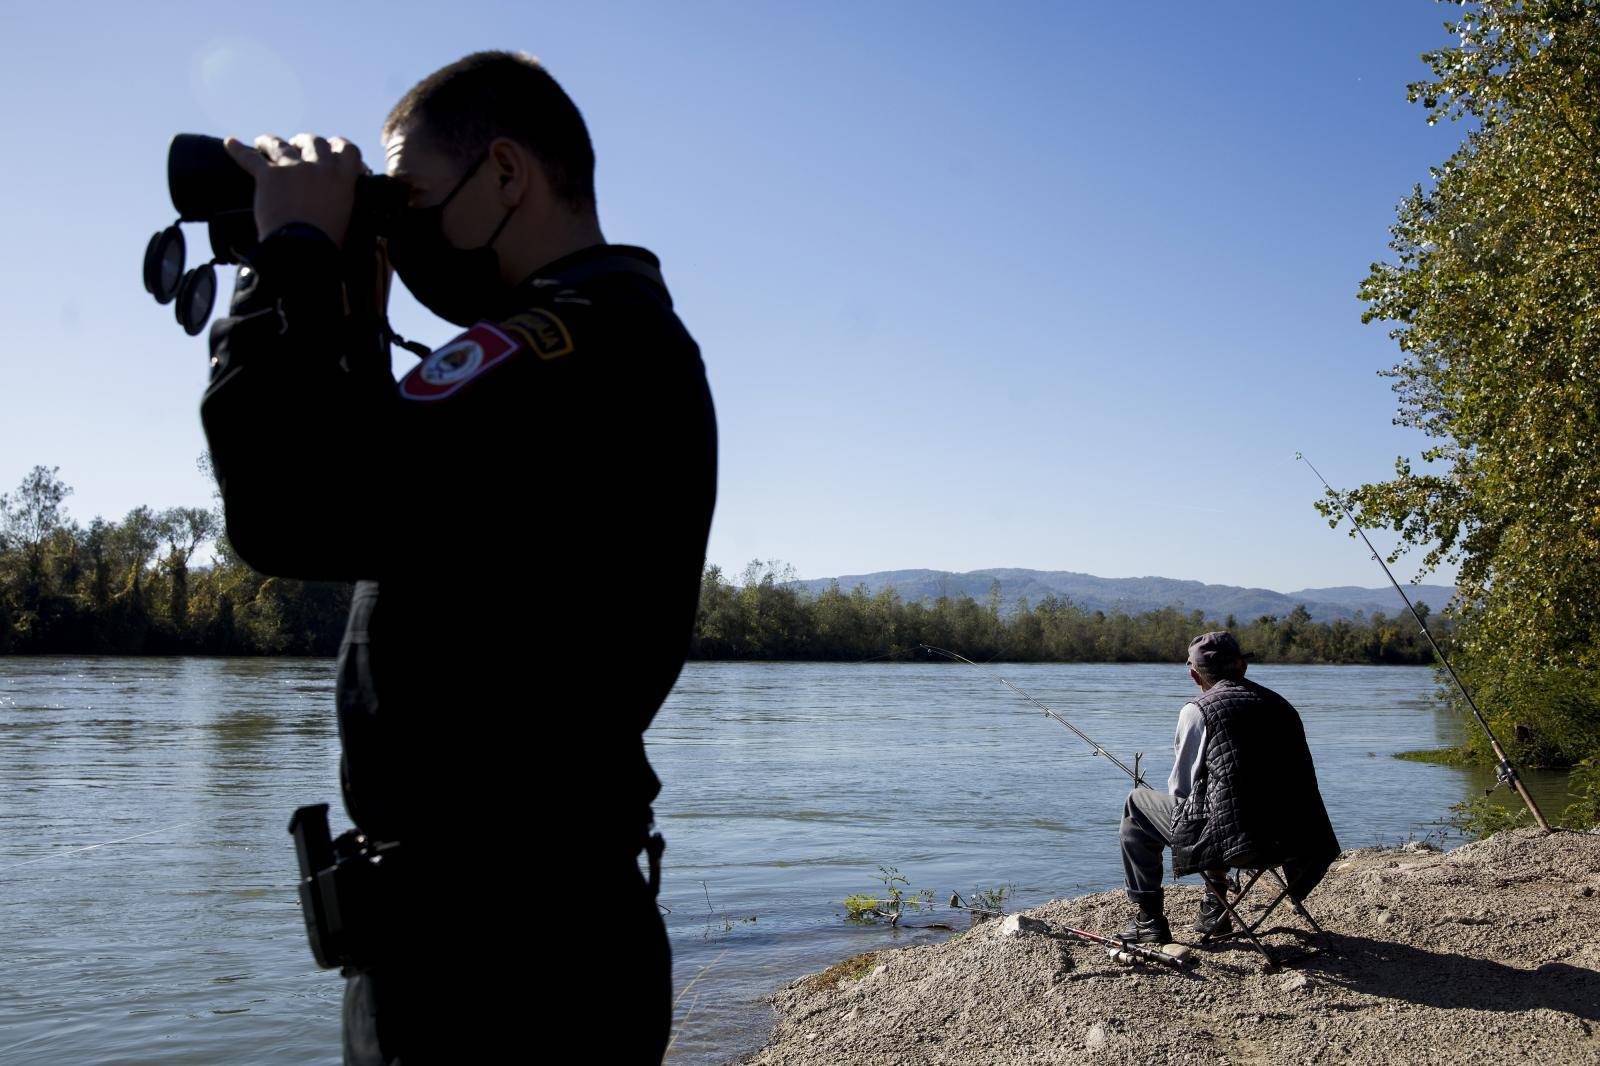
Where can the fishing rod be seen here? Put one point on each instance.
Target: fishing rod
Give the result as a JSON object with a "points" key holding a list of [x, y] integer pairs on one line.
{"points": [[1133, 772], [1119, 949], [1505, 773], [1126, 951]]}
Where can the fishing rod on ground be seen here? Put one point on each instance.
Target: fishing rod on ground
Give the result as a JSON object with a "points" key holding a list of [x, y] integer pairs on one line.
{"points": [[1124, 951], [1505, 773], [1133, 771]]}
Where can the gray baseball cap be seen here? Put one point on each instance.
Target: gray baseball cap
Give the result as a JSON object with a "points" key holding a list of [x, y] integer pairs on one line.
{"points": [[1217, 650]]}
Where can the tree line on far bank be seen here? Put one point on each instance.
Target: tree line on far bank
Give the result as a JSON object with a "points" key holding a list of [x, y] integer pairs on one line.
{"points": [[765, 615], [127, 587]]}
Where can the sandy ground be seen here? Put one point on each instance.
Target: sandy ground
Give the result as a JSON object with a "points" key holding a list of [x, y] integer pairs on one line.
{"points": [[1489, 953]]}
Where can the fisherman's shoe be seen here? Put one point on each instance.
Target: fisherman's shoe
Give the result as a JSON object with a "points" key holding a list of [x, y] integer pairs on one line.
{"points": [[1213, 919], [1145, 929]]}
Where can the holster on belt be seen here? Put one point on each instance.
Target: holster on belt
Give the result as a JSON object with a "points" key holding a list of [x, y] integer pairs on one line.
{"points": [[654, 844], [349, 890]]}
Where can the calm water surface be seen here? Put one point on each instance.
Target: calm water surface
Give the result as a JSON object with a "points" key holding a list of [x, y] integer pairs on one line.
{"points": [[787, 785]]}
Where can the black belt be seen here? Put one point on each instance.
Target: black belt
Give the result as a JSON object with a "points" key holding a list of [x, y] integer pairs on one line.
{"points": [[351, 887]]}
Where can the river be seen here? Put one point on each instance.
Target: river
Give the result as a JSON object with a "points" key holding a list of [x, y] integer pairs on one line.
{"points": [[786, 786]]}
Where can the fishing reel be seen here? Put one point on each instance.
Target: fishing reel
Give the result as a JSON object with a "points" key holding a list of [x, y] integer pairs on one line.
{"points": [[1503, 775]]}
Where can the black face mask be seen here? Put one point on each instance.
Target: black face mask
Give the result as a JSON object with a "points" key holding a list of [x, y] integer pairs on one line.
{"points": [[459, 285]]}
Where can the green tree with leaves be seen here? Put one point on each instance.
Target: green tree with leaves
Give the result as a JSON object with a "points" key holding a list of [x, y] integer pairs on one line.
{"points": [[183, 529], [28, 518], [1494, 297]]}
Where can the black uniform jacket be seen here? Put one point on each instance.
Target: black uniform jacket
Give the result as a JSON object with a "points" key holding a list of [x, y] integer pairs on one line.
{"points": [[525, 513]]}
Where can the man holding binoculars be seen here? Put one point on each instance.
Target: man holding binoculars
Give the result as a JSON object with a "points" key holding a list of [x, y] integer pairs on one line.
{"points": [[491, 732]]}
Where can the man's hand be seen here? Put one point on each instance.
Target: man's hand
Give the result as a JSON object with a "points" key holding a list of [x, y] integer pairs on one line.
{"points": [[308, 180]]}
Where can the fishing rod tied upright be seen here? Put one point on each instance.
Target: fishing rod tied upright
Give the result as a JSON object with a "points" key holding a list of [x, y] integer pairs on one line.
{"points": [[1505, 773]]}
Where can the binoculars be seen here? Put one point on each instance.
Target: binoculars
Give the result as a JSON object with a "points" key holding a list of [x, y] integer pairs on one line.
{"points": [[208, 186]]}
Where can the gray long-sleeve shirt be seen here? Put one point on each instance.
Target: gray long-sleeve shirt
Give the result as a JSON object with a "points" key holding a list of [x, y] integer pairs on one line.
{"points": [[1188, 748]]}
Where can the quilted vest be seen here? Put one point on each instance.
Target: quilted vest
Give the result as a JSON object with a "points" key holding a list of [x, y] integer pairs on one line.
{"points": [[1255, 800]]}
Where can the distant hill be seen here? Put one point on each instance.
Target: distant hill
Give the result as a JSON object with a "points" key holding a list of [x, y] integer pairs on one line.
{"points": [[1135, 594]]}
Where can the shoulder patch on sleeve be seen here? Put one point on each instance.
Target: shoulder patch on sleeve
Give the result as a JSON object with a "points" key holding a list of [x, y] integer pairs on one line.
{"points": [[541, 331], [451, 366]]}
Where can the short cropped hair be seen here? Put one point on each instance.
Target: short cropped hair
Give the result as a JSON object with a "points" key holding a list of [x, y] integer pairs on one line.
{"points": [[462, 107], [1220, 671]]}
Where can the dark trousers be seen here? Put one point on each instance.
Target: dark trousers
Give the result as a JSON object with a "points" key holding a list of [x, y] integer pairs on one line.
{"points": [[595, 968], [1146, 830]]}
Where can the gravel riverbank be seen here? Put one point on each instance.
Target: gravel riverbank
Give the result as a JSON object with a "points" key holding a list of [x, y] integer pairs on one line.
{"points": [[1488, 953]]}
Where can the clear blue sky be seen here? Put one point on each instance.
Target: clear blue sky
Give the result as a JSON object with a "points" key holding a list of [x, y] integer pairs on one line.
{"points": [[1059, 285]]}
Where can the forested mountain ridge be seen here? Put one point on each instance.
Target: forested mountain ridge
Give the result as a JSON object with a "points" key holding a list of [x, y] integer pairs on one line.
{"points": [[1132, 595]]}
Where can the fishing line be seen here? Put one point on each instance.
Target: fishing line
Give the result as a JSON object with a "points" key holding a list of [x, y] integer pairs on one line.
{"points": [[1133, 772], [91, 847]]}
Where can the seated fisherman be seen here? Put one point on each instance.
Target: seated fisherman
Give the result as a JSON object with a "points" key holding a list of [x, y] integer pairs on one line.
{"points": [[1243, 792]]}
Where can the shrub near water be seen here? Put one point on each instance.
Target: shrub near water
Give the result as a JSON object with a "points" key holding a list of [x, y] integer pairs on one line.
{"points": [[1583, 813], [891, 904], [1543, 715]]}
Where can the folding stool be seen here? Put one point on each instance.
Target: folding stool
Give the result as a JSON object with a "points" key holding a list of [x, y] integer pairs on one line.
{"points": [[1231, 891]]}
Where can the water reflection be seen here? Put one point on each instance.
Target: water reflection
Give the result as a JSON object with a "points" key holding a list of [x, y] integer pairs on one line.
{"points": [[179, 945]]}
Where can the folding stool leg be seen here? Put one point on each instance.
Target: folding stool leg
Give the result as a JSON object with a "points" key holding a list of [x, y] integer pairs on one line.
{"points": [[1324, 942], [1241, 927], [1248, 930], [1267, 913], [1221, 891]]}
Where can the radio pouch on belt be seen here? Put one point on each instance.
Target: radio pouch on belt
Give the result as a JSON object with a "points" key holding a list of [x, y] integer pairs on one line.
{"points": [[654, 845], [346, 889]]}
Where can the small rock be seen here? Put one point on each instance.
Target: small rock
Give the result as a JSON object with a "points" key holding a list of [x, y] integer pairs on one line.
{"points": [[878, 970], [1293, 983], [1095, 1038], [1385, 918], [1016, 925]]}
